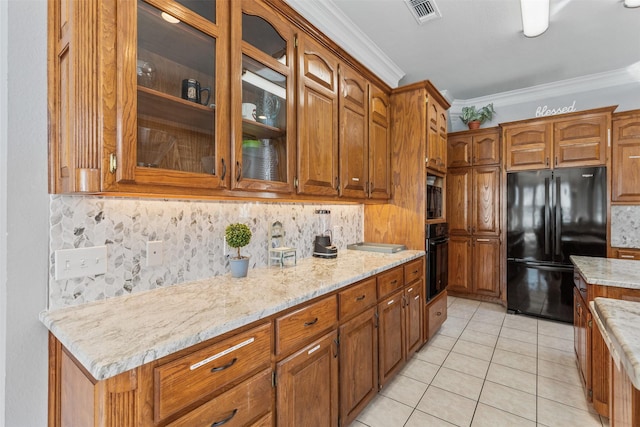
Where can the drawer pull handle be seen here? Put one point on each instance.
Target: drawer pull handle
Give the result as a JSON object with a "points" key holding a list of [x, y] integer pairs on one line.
{"points": [[222, 353], [626, 256], [314, 349], [226, 420], [415, 272], [222, 368], [361, 297], [393, 282], [313, 322], [439, 313], [583, 290], [391, 302]]}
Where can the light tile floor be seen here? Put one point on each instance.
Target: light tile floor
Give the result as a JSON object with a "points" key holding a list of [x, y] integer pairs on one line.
{"points": [[487, 368]]}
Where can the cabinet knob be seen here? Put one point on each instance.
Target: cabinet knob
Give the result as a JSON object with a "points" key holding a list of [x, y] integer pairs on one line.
{"points": [[439, 313]]}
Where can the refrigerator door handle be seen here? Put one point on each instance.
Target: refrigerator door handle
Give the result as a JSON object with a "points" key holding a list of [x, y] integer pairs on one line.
{"points": [[558, 219], [547, 217]]}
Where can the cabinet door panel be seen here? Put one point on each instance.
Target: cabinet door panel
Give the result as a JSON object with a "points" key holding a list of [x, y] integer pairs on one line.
{"points": [[486, 266], [527, 146], [486, 201], [379, 147], [486, 148], [358, 364], [625, 177], [459, 150], [307, 385], [353, 150], [459, 200], [391, 338], [459, 264], [581, 141], [317, 120], [413, 317]]}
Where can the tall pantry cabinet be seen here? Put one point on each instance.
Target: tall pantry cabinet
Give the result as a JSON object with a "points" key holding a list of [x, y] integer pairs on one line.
{"points": [[473, 198]]}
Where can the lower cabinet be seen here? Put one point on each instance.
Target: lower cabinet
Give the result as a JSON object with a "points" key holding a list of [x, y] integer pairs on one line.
{"points": [[317, 364], [474, 266], [436, 314], [307, 385], [358, 364], [582, 337], [624, 407]]}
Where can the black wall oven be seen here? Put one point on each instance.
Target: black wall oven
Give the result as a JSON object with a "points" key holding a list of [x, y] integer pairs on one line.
{"points": [[437, 247]]}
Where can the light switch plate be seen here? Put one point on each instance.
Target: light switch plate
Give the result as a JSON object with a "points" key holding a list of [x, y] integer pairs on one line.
{"points": [[80, 262], [154, 253]]}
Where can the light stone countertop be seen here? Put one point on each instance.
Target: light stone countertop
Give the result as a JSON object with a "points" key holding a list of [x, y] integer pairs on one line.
{"points": [[619, 322], [622, 273], [118, 334]]}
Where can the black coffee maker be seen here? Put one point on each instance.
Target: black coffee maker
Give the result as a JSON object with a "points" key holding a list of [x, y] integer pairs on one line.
{"points": [[322, 246]]}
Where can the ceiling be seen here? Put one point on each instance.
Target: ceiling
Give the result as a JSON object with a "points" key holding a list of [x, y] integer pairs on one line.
{"points": [[477, 47]]}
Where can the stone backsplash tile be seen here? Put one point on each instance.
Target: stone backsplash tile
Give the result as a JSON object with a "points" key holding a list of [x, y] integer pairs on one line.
{"points": [[625, 226], [192, 233]]}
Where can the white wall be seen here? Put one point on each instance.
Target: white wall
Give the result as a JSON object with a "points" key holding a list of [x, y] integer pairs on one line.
{"points": [[3, 205], [27, 205]]}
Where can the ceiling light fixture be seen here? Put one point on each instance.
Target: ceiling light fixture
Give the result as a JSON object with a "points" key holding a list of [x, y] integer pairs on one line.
{"points": [[535, 16], [631, 3]]}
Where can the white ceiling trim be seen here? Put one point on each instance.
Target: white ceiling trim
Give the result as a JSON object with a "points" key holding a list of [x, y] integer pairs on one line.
{"points": [[325, 15], [592, 82]]}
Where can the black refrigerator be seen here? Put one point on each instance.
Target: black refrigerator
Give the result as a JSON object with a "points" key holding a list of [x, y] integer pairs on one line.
{"points": [[550, 216]]}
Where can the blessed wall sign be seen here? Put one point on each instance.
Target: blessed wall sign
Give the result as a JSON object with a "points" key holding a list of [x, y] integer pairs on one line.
{"points": [[544, 110]]}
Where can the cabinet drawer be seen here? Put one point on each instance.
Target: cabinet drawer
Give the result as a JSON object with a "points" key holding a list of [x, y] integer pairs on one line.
{"points": [[246, 404], [437, 314], [357, 298], [627, 253], [390, 281], [183, 381], [305, 324], [413, 270]]}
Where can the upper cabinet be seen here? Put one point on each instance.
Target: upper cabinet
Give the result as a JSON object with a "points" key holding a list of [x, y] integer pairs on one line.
{"points": [[576, 139], [625, 176], [317, 119], [436, 159], [263, 61], [474, 148], [209, 98]]}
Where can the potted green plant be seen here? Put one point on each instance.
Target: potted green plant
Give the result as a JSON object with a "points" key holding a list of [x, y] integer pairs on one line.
{"points": [[237, 236], [474, 117]]}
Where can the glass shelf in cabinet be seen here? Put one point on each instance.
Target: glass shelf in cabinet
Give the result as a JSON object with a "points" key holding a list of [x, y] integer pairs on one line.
{"points": [[260, 131]]}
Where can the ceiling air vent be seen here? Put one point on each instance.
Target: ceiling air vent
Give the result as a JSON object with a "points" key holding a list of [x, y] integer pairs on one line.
{"points": [[423, 10]]}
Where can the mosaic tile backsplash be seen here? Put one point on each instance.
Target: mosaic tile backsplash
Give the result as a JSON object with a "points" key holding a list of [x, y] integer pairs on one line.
{"points": [[193, 239]]}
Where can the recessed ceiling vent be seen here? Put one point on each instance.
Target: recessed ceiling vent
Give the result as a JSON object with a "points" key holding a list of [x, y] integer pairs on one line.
{"points": [[423, 10]]}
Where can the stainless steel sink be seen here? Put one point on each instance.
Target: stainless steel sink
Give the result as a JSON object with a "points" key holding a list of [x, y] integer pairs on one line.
{"points": [[388, 248]]}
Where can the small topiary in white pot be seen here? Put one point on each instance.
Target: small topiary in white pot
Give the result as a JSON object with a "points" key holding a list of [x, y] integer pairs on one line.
{"points": [[237, 236]]}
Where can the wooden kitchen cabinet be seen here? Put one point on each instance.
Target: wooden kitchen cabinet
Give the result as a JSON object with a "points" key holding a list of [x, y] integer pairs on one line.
{"points": [[307, 385], [399, 220], [436, 159], [625, 253], [121, 124], [625, 164], [624, 408], [263, 54], [474, 201], [391, 338], [379, 184], [317, 119], [436, 314], [474, 266], [582, 337], [354, 133], [474, 148], [568, 140]]}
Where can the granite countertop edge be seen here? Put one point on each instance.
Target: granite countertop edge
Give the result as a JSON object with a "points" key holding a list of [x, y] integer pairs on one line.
{"points": [[614, 272], [618, 322], [118, 334]]}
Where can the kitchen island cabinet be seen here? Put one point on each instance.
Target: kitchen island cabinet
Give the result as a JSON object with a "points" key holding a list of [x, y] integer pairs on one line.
{"points": [[617, 321], [607, 278], [109, 371]]}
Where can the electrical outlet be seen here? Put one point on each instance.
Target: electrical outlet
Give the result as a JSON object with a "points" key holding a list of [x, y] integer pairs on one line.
{"points": [[154, 253], [81, 262]]}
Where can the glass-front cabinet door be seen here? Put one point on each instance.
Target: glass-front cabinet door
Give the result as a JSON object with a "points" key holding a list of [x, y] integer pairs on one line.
{"points": [[176, 68], [262, 103]]}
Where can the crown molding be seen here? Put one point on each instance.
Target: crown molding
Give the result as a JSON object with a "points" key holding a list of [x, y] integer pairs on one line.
{"points": [[325, 15], [624, 76]]}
